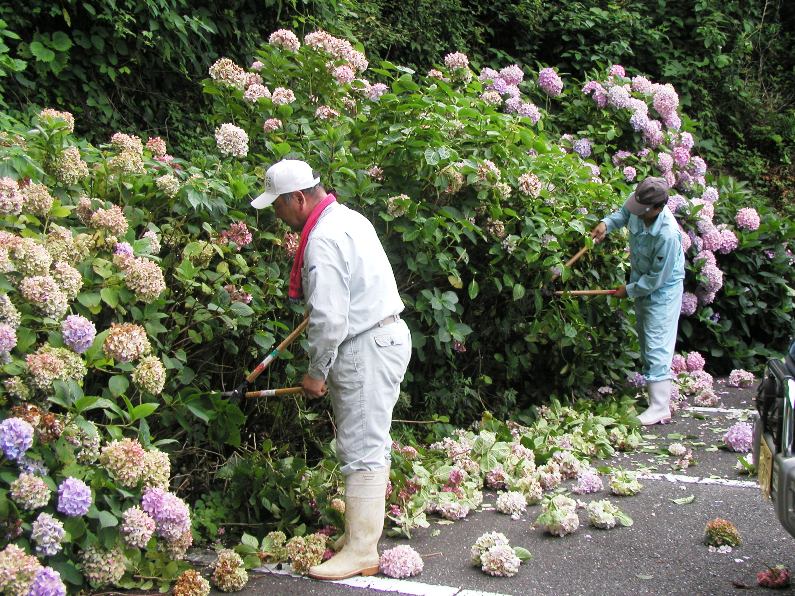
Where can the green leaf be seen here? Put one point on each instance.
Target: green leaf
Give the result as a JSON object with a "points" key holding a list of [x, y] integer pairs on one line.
{"points": [[76, 527], [89, 299], [473, 289], [42, 54], [241, 310], [684, 500], [143, 410], [118, 384], [68, 571], [249, 540], [61, 41], [518, 291], [107, 520], [86, 402], [25, 339], [522, 553], [110, 296]]}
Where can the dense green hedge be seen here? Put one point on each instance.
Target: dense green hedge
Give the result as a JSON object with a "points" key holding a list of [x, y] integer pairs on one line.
{"points": [[135, 64]]}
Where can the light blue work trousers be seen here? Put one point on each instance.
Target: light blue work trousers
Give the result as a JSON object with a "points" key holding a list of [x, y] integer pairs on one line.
{"points": [[657, 318], [364, 385]]}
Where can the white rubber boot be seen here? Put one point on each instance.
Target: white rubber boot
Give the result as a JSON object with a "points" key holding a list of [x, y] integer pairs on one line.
{"points": [[659, 411], [364, 522], [337, 545]]}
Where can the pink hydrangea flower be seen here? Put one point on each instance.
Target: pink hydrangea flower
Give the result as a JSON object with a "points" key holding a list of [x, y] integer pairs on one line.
{"points": [[747, 219], [456, 60], [678, 364], [400, 561], [616, 70], [695, 361], [740, 378], [271, 124], [739, 437]]}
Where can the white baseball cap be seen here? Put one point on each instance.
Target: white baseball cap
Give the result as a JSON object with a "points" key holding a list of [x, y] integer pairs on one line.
{"points": [[285, 176]]}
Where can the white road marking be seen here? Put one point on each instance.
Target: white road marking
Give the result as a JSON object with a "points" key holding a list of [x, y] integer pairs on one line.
{"points": [[736, 411], [698, 480], [387, 584]]}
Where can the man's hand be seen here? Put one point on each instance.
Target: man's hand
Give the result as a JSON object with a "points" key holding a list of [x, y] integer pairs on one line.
{"points": [[314, 387], [599, 232], [621, 292]]}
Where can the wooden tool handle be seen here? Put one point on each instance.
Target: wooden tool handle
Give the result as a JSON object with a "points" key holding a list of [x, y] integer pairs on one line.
{"points": [[585, 292], [576, 257], [274, 392], [276, 351]]}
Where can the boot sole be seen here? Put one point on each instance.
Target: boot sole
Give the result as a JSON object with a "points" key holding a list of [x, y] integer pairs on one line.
{"points": [[662, 421], [366, 571]]}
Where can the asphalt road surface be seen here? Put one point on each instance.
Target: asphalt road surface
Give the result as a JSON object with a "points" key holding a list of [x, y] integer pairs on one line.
{"points": [[662, 553]]}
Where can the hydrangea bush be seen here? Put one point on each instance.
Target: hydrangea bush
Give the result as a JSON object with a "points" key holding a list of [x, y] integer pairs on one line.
{"points": [[89, 353]]}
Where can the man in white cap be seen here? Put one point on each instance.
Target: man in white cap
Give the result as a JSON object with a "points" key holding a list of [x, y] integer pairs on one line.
{"points": [[656, 284], [358, 346]]}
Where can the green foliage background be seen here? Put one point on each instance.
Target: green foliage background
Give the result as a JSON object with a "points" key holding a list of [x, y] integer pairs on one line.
{"points": [[135, 64]]}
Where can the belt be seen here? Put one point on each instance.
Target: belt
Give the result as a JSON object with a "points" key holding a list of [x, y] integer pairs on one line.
{"points": [[387, 321]]}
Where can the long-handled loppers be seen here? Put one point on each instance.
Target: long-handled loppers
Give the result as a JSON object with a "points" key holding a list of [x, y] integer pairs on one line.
{"points": [[273, 392], [570, 262], [584, 292], [240, 391]]}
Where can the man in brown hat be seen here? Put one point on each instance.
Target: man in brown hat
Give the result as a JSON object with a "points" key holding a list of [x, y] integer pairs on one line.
{"points": [[656, 284]]}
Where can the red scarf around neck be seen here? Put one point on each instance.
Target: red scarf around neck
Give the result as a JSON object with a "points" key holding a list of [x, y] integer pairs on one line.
{"points": [[296, 292]]}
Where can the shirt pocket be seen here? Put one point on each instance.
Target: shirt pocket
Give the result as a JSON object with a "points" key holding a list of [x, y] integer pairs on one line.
{"points": [[642, 252]]}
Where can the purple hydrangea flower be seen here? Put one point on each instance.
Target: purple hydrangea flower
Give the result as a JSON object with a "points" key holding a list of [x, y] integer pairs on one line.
{"points": [[639, 121], [550, 82], [699, 166], [582, 147], [16, 437], [488, 74], [124, 249], [171, 514], [681, 156], [728, 241], [529, 110], [47, 532], [689, 304], [47, 582], [8, 338], [636, 379], [665, 162], [376, 91], [620, 156], [32, 466], [512, 74], [739, 437], [78, 333], [710, 194], [629, 173], [676, 202], [686, 140], [74, 497]]}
